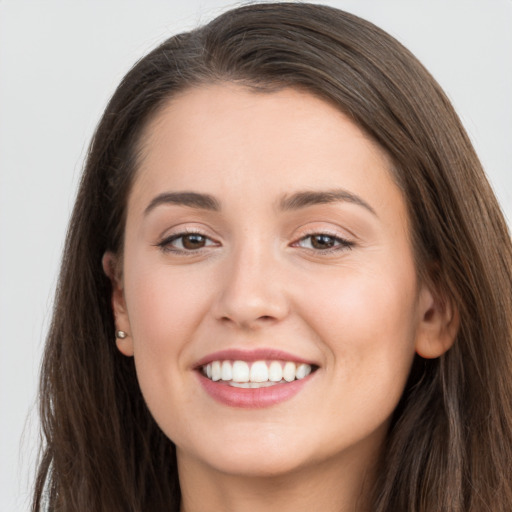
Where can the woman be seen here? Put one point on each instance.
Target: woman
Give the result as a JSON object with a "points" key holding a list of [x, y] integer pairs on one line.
{"points": [[286, 286]]}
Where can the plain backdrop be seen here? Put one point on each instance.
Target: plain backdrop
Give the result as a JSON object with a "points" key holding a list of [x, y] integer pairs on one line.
{"points": [[60, 62]]}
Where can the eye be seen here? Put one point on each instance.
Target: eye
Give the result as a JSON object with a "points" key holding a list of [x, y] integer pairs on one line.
{"points": [[186, 242], [324, 242]]}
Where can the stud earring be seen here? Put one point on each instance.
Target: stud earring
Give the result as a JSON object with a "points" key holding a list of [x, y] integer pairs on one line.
{"points": [[121, 335]]}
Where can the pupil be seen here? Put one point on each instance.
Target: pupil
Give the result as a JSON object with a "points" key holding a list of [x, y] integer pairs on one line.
{"points": [[322, 241], [193, 241]]}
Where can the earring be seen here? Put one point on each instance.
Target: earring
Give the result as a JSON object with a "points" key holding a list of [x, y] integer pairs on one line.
{"points": [[121, 335]]}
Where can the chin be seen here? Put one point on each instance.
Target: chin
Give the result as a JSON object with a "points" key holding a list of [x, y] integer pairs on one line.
{"points": [[257, 455], [258, 464]]}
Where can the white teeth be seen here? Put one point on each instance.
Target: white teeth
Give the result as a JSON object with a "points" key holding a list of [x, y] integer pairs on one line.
{"points": [[240, 371], [303, 370], [226, 373], [289, 371], [259, 372], [275, 371], [252, 385], [256, 374], [216, 371]]}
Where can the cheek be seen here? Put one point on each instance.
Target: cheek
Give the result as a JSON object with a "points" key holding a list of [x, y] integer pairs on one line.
{"points": [[164, 305], [368, 323], [368, 328], [164, 308]]}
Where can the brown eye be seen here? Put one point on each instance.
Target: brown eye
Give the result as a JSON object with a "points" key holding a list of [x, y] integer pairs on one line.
{"points": [[193, 241], [186, 242], [322, 241]]}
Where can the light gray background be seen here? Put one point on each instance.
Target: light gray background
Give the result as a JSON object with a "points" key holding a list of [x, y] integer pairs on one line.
{"points": [[59, 63]]}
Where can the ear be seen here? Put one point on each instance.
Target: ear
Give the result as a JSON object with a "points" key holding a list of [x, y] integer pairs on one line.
{"points": [[439, 323], [112, 269]]}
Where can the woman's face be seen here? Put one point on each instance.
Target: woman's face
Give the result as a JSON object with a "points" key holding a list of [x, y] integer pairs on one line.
{"points": [[266, 238]]}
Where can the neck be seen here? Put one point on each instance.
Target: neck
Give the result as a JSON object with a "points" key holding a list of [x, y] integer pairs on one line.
{"points": [[327, 486]]}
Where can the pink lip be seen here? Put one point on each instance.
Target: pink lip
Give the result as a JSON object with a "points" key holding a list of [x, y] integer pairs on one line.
{"points": [[260, 354], [252, 398]]}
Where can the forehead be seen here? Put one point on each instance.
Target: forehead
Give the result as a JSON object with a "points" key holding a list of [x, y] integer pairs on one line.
{"points": [[228, 140], [215, 109]]}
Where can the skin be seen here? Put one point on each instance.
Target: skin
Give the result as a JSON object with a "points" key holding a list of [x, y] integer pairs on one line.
{"points": [[358, 312]]}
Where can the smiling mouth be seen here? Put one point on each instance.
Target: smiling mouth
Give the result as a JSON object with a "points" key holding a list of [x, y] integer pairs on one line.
{"points": [[256, 374]]}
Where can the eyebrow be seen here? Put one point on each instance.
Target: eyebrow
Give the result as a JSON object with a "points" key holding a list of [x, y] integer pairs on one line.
{"points": [[191, 199], [312, 197], [295, 201]]}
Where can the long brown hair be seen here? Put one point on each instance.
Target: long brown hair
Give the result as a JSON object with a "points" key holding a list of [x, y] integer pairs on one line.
{"points": [[450, 443]]}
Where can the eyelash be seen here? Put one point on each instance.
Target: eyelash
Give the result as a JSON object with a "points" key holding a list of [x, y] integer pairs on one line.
{"points": [[342, 243], [165, 244]]}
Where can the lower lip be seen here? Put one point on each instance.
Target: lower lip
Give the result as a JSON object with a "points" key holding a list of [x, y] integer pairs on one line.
{"points": [[252, 398]]}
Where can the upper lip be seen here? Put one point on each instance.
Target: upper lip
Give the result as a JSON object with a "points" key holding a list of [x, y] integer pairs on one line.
{"points": [[258, 354]]}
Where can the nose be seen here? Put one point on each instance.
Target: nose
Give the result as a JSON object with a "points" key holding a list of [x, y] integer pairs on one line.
{"points": [[252, 292]]}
